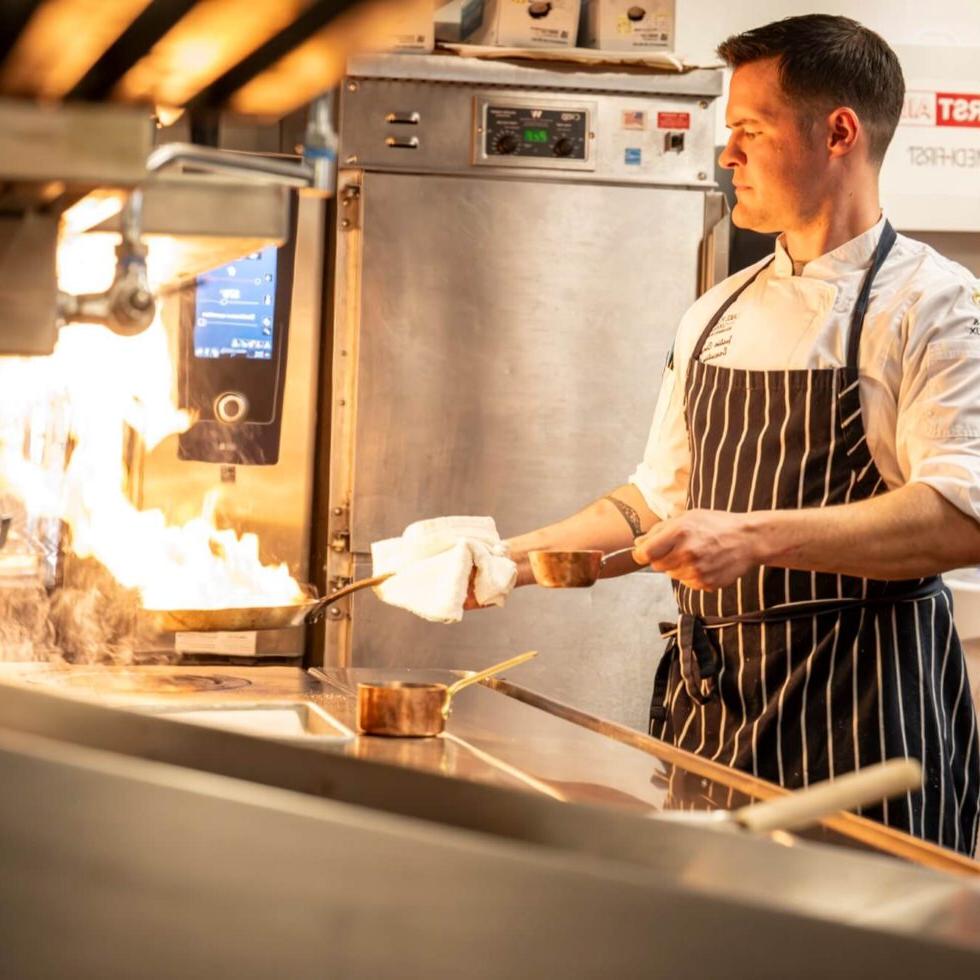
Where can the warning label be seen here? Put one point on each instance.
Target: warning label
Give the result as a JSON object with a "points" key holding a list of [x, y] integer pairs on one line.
{"points": [[673, 120]]}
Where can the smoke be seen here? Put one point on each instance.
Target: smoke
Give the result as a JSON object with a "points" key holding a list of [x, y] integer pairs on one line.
{"points": [[92, 620]]}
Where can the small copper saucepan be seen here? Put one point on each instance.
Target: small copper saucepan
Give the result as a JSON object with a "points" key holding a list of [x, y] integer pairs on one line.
{"points": [[411, 709], [571, 569]]}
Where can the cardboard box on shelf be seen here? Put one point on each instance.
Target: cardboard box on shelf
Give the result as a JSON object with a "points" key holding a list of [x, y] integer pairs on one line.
{"points": [[629, 25], [457, 20], [529, 23], [409, 27]]}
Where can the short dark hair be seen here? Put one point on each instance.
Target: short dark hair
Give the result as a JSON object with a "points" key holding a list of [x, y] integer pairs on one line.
{"points": [[828, 61]]}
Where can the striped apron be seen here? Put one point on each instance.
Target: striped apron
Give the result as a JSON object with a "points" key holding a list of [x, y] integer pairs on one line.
{"points": [[799, 676]]}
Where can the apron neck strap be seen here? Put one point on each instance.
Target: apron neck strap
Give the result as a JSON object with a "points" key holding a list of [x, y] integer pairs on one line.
{"points": [[885, 243], [720, 312]]}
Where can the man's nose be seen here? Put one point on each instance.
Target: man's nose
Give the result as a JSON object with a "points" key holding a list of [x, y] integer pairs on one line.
{"points": [[731, 157]]}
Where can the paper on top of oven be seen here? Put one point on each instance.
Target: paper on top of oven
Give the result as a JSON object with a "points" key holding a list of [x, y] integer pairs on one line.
{"points": [[659, 60], [433, 560]]}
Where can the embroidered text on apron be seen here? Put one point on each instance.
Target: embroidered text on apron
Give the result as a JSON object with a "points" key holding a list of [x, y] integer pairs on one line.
{"points": [[799, 676]]}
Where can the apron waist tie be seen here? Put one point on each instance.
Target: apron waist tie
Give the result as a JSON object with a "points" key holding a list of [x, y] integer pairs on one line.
{"points": [[700, 662]]}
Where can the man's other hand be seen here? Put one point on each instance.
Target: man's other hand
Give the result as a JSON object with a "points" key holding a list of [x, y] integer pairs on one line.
{"points": [[703, 549]]}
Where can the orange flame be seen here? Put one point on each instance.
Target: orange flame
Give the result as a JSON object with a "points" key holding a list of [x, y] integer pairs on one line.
{"points": [[91, 385]]}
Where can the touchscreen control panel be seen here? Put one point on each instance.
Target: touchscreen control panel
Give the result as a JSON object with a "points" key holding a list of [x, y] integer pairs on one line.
{"points": [[234, 324]]}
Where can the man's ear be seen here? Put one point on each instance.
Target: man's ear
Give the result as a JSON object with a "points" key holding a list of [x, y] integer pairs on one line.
{"points": [[843, 128]]}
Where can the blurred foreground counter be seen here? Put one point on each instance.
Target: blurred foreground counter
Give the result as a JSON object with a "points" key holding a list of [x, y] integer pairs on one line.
{"points": [[525, 839]]}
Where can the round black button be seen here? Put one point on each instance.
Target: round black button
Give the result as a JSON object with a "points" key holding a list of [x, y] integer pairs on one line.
{"points": [[506, 143], [231, 407], [563, 147]]}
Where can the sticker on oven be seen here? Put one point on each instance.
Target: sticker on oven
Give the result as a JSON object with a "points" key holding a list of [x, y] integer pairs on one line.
{"points": [[634, 119], [673, 120], [633, 156]]}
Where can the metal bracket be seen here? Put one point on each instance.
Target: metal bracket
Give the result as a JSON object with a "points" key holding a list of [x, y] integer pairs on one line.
{"points": [[350, 207], [713, 252]]}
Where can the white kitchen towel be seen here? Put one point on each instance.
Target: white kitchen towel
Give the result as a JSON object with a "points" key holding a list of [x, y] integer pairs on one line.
{"points": [[433, 560]]}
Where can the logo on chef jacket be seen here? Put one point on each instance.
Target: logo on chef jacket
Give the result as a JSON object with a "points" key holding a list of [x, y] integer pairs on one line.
{"points": [[941, 109]]}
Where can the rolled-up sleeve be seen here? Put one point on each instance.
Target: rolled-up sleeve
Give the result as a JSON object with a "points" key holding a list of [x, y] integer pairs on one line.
{"points": [[662, 475], [938, 423]]}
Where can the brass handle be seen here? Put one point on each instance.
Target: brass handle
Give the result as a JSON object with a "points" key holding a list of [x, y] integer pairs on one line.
{"points": [[457, 686], [621, 551]]}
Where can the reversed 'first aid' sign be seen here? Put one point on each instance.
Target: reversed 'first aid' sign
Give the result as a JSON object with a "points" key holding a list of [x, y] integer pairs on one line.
{"points": [[930, 180], [941, 109]]}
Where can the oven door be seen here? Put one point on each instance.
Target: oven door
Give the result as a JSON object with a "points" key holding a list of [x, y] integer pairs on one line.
{"points": [[499, 346]]}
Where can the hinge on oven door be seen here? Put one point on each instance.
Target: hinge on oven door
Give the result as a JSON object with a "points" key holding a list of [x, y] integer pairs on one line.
{"points": [[350, 207]]}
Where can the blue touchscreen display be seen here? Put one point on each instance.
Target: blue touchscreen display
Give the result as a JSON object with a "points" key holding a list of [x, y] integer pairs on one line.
{"points": [[234, 308]]}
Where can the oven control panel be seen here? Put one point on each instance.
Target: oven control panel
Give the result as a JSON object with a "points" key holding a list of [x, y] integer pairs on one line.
{"points": [[523, 133]]}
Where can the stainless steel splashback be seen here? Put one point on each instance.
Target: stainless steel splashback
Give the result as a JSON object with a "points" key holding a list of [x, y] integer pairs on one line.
{"points": [[499, 338]]}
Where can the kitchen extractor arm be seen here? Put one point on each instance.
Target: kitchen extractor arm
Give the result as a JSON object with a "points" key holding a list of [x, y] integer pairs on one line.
{"points": [[316, 173], [907, 533], [127, 307], [607, 524]]}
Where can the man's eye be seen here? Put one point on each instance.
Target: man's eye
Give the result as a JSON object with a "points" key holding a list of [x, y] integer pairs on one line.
{"points": [[749, 136]]}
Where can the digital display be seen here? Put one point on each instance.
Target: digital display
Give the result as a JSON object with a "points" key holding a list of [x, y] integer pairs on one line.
{"points": [[535, 135], [234, 308]]}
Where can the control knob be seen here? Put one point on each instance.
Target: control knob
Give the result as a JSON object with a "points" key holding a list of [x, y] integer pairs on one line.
{"points": [[563, 147], [506, 143]]}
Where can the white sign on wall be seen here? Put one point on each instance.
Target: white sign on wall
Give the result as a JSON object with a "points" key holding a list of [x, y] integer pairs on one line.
{"points": [[930, 180]]}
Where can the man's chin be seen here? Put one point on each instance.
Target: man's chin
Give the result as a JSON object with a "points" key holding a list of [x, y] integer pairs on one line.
{"points": [[751, 220]]}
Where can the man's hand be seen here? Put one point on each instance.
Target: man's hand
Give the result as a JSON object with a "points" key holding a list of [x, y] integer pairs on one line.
{"points": [[470, 601], [703, 549]]}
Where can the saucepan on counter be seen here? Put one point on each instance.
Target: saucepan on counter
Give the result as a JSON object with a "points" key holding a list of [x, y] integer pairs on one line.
{"points": [[246, 618], [571, 569], [414, 709]]}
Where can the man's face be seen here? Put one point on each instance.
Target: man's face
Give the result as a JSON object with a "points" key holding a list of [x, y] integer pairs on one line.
{"points": [[778, 166]]}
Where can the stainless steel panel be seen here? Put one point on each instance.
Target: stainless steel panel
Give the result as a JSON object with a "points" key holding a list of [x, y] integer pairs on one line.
{"points": [[448, 114], [536, 75], [194, 224], [28, 284], [505, 358], [82, 145]]}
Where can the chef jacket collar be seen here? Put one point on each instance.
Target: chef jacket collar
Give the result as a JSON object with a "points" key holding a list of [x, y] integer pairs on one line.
{"points": [[853, 255]]}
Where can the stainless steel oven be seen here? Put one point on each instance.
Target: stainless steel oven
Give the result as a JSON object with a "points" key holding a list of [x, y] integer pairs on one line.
{"points": [[515, 245]]}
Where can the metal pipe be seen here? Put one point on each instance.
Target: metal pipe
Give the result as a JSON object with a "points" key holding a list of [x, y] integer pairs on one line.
{"points": [[320, 148], [246, 166]]}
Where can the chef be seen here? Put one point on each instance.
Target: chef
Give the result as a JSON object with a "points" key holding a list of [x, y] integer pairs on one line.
{"points": [[814, 457]]}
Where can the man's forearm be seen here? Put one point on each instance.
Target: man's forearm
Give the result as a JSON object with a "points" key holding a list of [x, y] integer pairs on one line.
{"points": [[604, 525], [907, 533]]}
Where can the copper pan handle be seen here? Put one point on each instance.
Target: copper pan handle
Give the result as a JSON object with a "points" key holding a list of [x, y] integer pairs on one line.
{"points": [[458, 686]]}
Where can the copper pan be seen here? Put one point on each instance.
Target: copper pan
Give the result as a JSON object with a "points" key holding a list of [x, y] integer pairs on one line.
{"points": [[571, 569], [247, 618], [416, 710]]}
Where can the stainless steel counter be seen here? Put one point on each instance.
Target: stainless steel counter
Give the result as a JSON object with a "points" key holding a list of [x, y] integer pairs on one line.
{"points": [[490, 737], [498, 734], [203, 828]]}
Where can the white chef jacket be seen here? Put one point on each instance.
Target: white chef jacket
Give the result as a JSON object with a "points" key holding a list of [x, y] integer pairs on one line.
{"points": [[919, 361]]}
